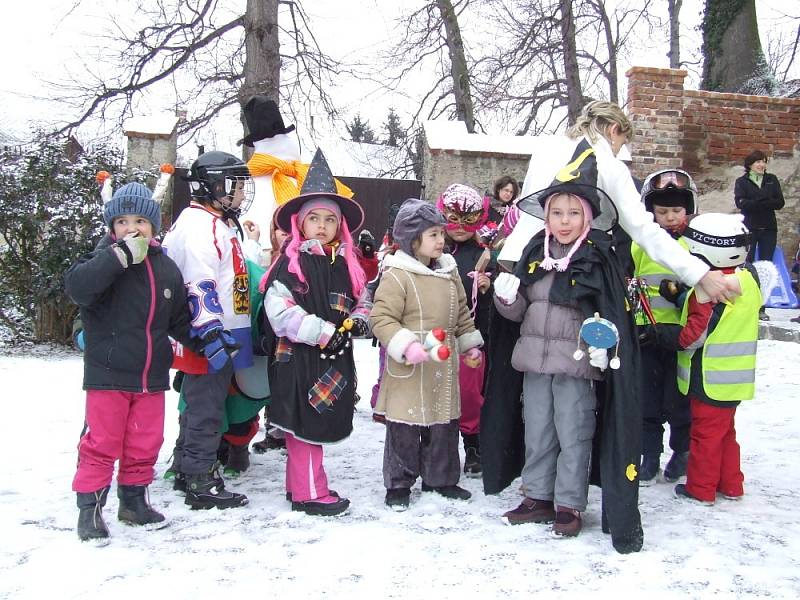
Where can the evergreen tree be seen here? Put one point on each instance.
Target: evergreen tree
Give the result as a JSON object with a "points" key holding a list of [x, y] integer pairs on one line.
{"points": [[360, 131], [394, 130]]}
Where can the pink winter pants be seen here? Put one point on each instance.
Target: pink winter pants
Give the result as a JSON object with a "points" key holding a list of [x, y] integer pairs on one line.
{"points": [[123, 426], [305, 476]]}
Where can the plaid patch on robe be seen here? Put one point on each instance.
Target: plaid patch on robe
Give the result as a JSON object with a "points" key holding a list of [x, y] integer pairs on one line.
{"points": [[327, 389]]}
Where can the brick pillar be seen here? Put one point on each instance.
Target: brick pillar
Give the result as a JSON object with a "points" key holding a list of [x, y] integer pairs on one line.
{"points": [[655, 106]]}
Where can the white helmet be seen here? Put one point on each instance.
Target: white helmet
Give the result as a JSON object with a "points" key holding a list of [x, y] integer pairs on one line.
{"points": [[721, 240]]}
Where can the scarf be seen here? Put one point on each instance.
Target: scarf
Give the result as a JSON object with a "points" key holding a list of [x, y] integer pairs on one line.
{"points": [[284, 173]]}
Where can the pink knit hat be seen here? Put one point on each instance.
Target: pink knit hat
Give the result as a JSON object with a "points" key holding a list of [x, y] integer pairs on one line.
{"points": [[319, 202], [561, 264]]}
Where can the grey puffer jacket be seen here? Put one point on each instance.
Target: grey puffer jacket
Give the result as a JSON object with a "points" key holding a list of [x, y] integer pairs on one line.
{"points": [[549, 332]]}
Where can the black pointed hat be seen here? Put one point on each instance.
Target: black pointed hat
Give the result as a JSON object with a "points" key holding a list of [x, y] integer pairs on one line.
{"points": [[263, 119], [319, 183], [578, 177]]}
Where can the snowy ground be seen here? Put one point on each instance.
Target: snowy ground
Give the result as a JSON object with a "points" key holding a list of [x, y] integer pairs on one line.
{"points": [[438, 549]]}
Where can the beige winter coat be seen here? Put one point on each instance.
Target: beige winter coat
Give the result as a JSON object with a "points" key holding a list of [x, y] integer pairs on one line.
{"points": [[411, 300]]}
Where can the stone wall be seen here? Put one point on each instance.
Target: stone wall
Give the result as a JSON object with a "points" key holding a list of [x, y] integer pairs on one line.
{"points": [[709, 134], [478, 169]]}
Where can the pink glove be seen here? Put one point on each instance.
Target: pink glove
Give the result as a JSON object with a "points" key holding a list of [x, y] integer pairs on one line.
{"points": [[473, 357], [415, 353]]}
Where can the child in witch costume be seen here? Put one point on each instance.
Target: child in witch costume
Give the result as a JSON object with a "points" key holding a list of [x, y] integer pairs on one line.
{"points": [[310, 302], [466, 213], [567, 273], [204, 244], [131, 298], [669, 194], [421, 290], [717, 356]]}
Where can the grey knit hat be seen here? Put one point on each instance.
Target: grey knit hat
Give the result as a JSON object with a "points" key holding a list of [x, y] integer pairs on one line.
{"points": [[133, 199], [413, 218]]}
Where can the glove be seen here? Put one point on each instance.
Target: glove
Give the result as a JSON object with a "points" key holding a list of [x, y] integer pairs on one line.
{"points": [[218, 344], [598, 357], [663, 335], [415, 353], [647, 336], [673, 291], [505, 287], [131, 250], [360, 328], [473, 358], [336, 344]]}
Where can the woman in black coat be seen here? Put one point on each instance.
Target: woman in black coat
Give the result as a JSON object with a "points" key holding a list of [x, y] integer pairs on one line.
{"points": [[758, 195]]}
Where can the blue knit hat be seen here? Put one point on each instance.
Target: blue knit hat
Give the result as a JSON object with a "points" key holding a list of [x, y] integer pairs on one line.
{"points": [[133, 199]]}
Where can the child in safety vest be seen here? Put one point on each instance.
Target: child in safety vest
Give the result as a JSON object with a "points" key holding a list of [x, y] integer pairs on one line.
{"points": [[717, 358], [670, 196]]}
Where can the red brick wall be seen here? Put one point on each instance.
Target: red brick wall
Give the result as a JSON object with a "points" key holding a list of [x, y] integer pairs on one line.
{"points": [[699, 130]]}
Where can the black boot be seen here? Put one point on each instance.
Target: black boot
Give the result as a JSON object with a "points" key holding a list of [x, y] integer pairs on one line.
{"points": [[676, 467], [238, 460], [207, 490], [91, 525], [453, 492], [134, 507], [174, 474], [651, 465], [269, 443], [472, 455]]}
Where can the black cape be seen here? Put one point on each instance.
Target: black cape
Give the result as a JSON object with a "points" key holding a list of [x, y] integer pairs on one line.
{"points": [[594, 281], [299, 378]]}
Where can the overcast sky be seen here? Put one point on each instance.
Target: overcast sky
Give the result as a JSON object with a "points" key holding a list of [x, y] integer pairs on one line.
{"points": [[49, 40]]}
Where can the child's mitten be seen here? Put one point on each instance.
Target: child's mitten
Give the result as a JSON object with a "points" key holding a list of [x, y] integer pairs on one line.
{"points": [[218, 344], [598, 357], [131, 250], [505, 288], [415, 353], [473, 358]]}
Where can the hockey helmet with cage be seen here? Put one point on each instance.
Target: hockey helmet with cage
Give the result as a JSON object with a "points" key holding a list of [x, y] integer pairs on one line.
{"points": [[670, 187], [219, 177], [720, 240]]}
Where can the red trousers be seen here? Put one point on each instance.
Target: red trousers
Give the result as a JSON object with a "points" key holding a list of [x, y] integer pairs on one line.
{"points": [[713, 453], [470, 383], [123, 426]]}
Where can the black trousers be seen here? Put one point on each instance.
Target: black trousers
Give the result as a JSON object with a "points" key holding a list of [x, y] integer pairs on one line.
{"points": [[662, 403], [414, 450], [765, 240]]}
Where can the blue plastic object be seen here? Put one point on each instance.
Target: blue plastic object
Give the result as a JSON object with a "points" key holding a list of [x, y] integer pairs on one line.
{"points": [[782, 295]]}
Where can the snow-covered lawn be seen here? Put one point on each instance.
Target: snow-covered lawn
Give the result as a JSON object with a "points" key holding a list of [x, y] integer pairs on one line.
{"points": [[436, 550]]}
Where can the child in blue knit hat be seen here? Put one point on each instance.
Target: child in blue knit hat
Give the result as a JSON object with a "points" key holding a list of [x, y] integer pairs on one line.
{"points": [[131, 298]]}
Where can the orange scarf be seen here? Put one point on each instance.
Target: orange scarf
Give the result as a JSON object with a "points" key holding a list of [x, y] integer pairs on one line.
{"points": [[284, 174]]}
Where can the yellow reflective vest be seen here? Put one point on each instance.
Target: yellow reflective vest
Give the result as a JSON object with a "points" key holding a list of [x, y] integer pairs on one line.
{"points": [[654, 273], [729, 351]]}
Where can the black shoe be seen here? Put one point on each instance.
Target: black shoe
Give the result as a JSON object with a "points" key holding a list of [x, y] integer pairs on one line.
{"points": [[682, 493], [448, 491], [762, 314], [207, 490], [676, 467], [651, 464], [330, 493], [179, 482], [472, 463], [322, 509], [238, 460], [91, 525], [134, 507], [269, 443], [398, 498]]}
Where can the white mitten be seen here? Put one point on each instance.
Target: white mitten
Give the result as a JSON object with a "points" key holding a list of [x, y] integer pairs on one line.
{"points": [[505, 287], [598, 357]]}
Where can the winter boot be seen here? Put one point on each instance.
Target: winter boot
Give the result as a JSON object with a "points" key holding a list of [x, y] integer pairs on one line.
{"points": [[134, 506], [676, 466], [472, 455], [91, 525], [207, 490], [648, 472], [453, 492], [238, 460], [568, 522], [531, 511], [322, 509], [398, 499], [762, 314], [174, 474], [681, 493], [269, 443]]}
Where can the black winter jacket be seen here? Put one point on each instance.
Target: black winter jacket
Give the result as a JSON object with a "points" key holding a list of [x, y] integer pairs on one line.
{"points": [[758, 204], [127, 314], [466, 255]]}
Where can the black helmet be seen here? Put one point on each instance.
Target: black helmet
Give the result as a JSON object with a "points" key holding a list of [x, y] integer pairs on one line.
{"points": [[216, 176]]}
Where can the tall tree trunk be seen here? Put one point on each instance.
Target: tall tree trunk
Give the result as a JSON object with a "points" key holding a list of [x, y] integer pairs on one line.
{"points": [[458, 64], [674, 53], [262, 64], [613, 73], [732, 55], [571, 73]]}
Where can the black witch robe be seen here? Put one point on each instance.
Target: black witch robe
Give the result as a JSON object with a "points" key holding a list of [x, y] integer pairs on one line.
{"points": [[313, 397], [594, 282]]}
